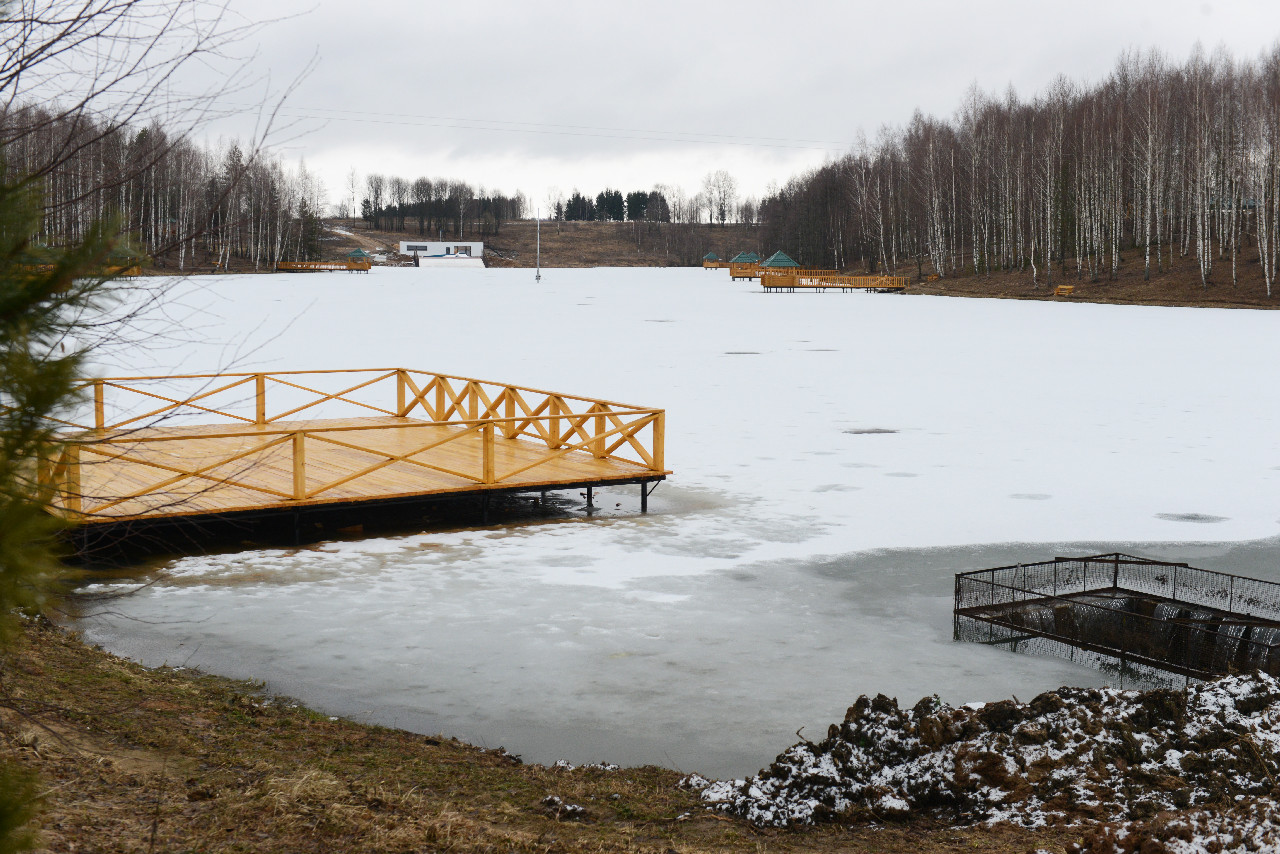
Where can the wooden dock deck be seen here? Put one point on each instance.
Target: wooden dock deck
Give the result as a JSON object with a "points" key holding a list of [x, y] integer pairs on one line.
{"points": [[380, 435]]}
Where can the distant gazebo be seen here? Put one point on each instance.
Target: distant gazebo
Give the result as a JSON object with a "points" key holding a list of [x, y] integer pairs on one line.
{"points": [[778, 260], [358, 255], [711, 261], [745, 258]]}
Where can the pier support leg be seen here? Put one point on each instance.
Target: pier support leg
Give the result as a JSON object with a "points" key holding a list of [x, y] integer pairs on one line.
{"points": [[484, 509], [542, 499], [644, 496], [590, 498]]}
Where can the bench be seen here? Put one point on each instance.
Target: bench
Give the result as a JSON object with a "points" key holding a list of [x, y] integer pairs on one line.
{"points": [[1064, 290]]}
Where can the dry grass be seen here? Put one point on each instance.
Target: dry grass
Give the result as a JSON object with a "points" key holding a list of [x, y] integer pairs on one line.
{"points": [[136, 760], [1178, 284], [578, 244]]}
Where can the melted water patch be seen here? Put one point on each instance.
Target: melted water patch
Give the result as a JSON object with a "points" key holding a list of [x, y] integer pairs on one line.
{"points": [[1198, 518]]}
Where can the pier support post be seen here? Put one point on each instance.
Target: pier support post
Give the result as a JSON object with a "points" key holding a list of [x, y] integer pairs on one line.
{"points": [[487, 472], [597, 444], [484, 509], [644, 496], [660, 441], [590, 498], [99, 407], [299, 466], [74, 495]]}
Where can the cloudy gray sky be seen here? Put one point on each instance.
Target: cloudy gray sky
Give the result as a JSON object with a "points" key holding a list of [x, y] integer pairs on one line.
{"points": [[581, 94]]}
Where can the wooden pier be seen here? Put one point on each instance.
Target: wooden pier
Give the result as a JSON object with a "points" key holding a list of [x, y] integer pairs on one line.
{"points": [[348, 266], [158, 448], [789, 281]]}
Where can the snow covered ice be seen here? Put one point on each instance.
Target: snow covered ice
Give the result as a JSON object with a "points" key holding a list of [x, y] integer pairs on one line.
{"points": [[837, 458]]}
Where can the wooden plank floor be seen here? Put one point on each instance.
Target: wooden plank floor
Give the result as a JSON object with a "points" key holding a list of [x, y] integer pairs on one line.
{"points": [[263, 478]]}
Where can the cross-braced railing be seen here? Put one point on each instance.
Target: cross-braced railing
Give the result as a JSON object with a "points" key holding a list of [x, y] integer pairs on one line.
{"points": [[271, 422]]}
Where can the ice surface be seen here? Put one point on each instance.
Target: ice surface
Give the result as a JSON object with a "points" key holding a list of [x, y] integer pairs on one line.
{"points": [[838, 457]]}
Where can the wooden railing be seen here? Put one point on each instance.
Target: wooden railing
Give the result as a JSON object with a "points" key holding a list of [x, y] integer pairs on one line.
{"points": [[495, 412], [796, 271], [323, 266], [823, 281]]}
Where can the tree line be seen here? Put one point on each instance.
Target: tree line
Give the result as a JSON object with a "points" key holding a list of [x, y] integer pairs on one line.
{"points": [[435, 206], [1157, 162], [176, 201], [717, 201]]}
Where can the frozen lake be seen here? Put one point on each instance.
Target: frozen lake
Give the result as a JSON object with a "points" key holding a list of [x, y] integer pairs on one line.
{"points": [[837, 458]]}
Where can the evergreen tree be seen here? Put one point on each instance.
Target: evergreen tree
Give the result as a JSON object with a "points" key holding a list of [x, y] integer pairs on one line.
{"points": [[636, 203], [42, 295], [309, 234]]}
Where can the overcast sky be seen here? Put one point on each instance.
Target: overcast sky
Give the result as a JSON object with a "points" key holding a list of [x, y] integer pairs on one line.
{"points": [[535, 96]]}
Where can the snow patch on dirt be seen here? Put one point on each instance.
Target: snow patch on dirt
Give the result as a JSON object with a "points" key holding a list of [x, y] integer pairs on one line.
{"points": [[1127, 761]]}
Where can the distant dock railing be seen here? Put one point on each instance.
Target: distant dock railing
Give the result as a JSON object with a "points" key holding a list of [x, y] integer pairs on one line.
{"points": [[1117, 611], [323, 266], [821, 280]]}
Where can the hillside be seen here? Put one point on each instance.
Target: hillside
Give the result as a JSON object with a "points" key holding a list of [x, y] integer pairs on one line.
{"points": [[572, 244], [613, 244]]}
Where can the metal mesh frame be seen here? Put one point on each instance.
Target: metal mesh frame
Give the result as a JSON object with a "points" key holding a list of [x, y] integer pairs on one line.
{"points": [[1140, 615]]}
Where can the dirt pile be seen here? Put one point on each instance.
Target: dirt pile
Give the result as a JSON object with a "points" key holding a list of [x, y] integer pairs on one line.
{"points": [[1246, 826], [1117, 760]]}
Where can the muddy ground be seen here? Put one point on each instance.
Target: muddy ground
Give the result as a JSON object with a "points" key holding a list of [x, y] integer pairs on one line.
{"points": [[133, 760]]}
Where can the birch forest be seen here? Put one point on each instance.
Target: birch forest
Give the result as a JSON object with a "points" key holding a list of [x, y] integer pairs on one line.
{"points": [[1157, 165], [180, 203]]}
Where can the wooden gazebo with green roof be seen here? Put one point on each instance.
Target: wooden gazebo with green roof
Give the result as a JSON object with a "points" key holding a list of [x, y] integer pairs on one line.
{"points": [[778, 260], [744, 265], [712, 261], [358, 254]]}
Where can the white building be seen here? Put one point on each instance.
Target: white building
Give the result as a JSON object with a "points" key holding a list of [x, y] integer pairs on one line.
{"points": [[453, 250]]}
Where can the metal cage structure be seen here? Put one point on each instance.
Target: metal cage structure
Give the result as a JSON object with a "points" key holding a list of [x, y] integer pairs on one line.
{"points": [[1147, 621]]}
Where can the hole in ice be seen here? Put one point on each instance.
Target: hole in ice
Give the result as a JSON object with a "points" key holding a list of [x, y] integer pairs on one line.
{"points": [[1031, 496], [667, 320], [1201, 518], [868, 431]]}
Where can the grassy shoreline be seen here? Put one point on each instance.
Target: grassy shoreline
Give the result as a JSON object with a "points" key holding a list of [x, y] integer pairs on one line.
{"points": [[132, 759]]}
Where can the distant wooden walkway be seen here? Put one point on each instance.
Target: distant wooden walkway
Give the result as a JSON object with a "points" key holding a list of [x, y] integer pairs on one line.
{"points": [[822, 280], [386, 434], [323, 266]]}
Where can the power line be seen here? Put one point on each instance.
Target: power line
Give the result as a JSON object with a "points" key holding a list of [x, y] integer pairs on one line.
{"points": [[546, 129]]}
